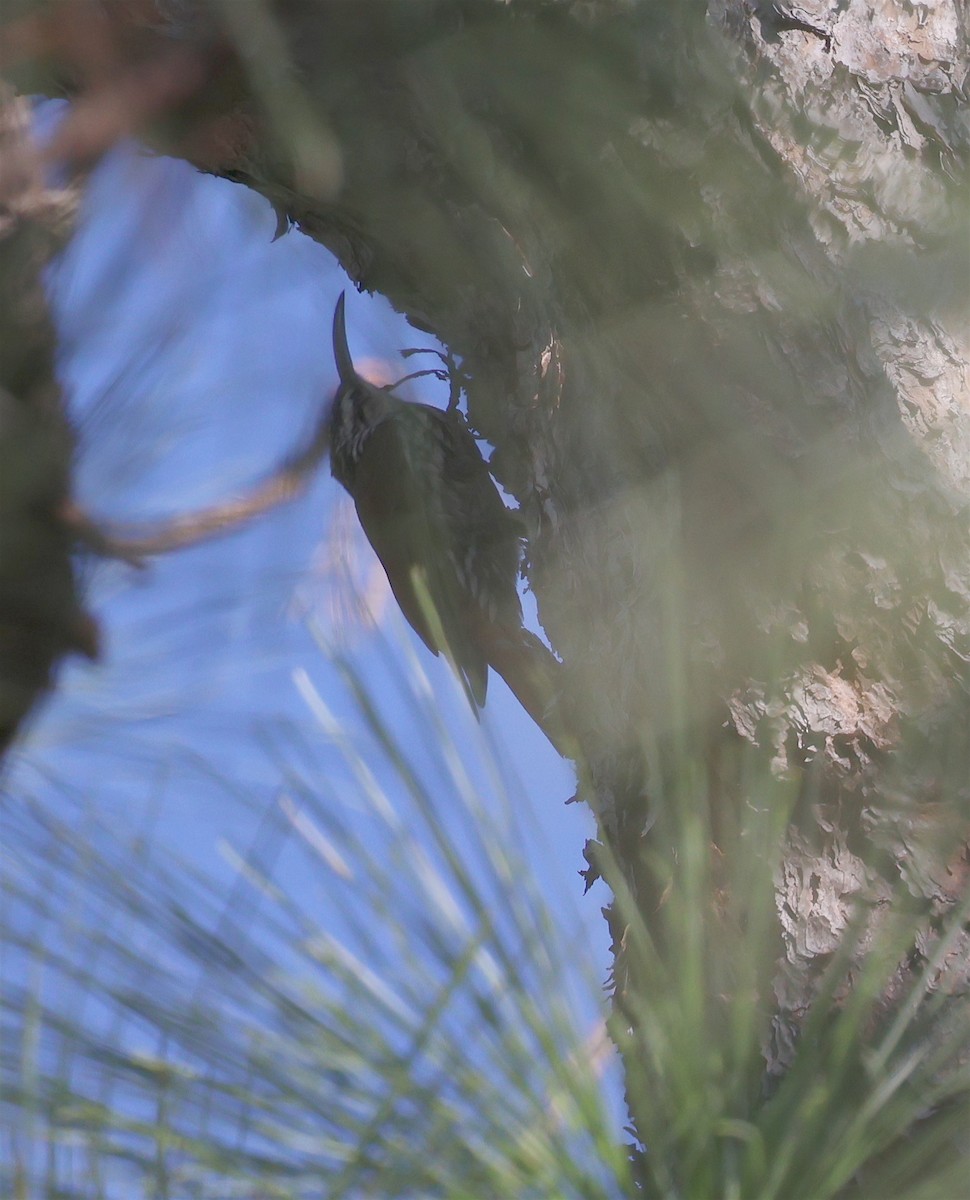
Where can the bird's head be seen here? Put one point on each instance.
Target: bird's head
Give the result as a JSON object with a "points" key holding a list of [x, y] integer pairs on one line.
{"points": [[358, 406]]}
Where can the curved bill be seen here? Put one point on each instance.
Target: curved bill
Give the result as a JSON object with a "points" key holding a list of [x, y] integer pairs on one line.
{"points": [[341, 351]]}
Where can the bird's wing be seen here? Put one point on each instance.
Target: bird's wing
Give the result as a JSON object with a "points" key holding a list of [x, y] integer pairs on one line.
{"points": [[396, 492], [486, 537]]}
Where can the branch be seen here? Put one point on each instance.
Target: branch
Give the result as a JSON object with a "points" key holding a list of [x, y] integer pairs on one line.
{"points": [[132, 543]]}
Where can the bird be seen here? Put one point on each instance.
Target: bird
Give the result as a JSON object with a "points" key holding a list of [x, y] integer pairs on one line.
{"points": [[449, 546]]}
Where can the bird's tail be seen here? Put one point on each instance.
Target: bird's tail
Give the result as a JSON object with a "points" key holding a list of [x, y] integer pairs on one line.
{"points": [[534, 675]]}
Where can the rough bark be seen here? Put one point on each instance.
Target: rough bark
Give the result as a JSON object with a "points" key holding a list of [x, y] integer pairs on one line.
{"points": [[705, 276]]}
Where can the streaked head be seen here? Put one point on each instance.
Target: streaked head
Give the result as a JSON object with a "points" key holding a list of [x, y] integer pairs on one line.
{"points": [[358, 406]]}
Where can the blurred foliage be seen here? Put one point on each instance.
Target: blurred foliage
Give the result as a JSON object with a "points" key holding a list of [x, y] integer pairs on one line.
{"points": [[406, 1023], [378, 1004]]}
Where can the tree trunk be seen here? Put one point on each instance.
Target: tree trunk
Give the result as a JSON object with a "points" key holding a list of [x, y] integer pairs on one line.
{"points": [[40, 616]]}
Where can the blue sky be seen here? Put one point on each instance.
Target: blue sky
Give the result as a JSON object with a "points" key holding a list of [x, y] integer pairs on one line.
{"points": [[195, 352]]}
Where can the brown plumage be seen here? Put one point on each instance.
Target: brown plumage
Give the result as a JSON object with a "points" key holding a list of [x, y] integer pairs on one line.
{"points": [[449, 546]]}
